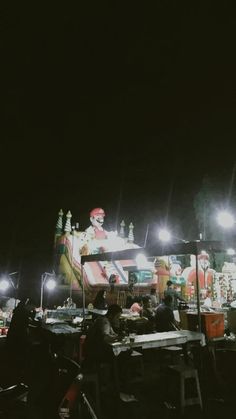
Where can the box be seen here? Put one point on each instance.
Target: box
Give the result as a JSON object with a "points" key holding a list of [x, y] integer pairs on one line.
{"points": [[212, 324]]}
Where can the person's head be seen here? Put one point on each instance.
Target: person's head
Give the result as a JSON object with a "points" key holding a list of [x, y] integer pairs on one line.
{"points": [[113, 313], [97, 217], [169, 283], [167, 300], [146, 301], [153, 291], [101, 295]]}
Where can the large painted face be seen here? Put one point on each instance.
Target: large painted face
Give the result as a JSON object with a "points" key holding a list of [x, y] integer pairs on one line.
{"points": [[97, 220], [204, 262]]}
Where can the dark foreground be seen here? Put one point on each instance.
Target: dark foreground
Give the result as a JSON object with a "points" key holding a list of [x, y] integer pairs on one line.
{"points": [[157, 393]]}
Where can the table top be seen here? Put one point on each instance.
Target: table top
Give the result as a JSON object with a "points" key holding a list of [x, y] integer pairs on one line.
{"points": [[158, 340]]}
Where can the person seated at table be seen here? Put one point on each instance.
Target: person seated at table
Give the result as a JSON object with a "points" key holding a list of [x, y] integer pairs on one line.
{"points": [[70, 303], [100, 301], [153, 297], [164, 317], [137, 306], [97, 348], [101, 334], [148, 313]]}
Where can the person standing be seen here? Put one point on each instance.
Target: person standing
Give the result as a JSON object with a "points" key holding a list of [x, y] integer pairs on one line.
{"points": [[170, 290]]}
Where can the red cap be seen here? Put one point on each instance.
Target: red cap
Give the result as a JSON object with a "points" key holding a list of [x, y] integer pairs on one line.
{"points": [[97, 211]]}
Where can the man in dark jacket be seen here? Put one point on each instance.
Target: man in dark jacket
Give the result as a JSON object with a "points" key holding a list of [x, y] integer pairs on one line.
{"points": [[164, 317]]}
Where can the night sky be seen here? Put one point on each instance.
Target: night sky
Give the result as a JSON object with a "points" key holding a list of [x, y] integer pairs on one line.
{"points": [[128, 107]]}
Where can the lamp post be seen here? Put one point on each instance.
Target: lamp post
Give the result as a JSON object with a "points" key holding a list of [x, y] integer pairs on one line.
{"points": [[49, 279]]}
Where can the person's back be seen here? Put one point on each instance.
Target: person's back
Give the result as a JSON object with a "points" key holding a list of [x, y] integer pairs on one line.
{"points": [[164, 316], [100, 302], [100, 334], [170, 290], [19, 337], [149, 314]]}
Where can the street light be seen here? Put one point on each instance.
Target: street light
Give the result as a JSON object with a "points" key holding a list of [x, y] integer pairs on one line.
{"points": [[225, 219], [165, 236], [49, 280]]}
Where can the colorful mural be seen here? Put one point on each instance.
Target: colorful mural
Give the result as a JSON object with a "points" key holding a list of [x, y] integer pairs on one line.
{"points": [[71, 244]]}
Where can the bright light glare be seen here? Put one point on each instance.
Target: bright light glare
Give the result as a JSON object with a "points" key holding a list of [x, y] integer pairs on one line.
{"points": [[4, 284], [164, 235], [230, 252], [225, 219], [141, 261], [50, 284]]}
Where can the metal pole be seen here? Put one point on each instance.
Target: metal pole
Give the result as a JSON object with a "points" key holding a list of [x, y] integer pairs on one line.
{"points": [[41, 291], [72, 263], [146, 236], [198, 296], [83, 293]]}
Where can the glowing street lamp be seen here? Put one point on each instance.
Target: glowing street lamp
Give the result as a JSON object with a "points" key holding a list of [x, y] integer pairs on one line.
{"points": [[230, 252], [4, 285], [164, 235], [49, 281], [225, 219]]}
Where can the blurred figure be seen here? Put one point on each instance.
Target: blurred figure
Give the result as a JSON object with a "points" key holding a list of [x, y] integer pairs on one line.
{"points": [[19, 337], [70, 303], [149, 314], [153, 297], [137, 305], [170, 290], [164, 317], [100, 334], [208, 300], [100, 302]]}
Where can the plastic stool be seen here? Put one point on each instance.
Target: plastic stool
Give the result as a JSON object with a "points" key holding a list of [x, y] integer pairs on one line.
{"points": [[185, 372]]}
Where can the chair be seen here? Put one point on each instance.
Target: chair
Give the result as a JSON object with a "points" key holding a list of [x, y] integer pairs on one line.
{"points": [[185, 373]]}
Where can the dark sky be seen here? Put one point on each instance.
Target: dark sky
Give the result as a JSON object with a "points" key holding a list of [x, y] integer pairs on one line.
{"points": [[125, 106]]}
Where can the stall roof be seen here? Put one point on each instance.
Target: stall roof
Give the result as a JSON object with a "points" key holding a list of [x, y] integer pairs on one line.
{"points": [[186, 248]]}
